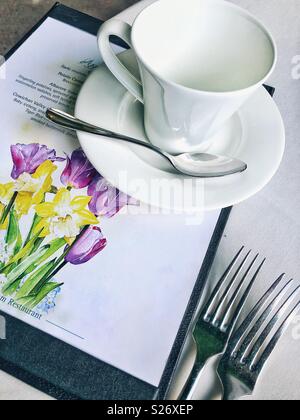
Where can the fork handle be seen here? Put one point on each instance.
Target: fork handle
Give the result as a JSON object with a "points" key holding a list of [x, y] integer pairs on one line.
{"points": [[204, 382]]}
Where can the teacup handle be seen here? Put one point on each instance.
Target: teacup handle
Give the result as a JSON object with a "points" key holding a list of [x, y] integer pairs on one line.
{"points": [[115, 27]]}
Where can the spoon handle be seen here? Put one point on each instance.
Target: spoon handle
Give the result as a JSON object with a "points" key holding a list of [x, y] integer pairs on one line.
{"points": [[68, 121]]}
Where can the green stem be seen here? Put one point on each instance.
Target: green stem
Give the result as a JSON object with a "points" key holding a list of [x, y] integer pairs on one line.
{"points": [[8, 208], [61, 262]]}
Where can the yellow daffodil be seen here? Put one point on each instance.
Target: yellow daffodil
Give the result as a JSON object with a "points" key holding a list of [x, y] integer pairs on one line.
{"points": [[32, 188], [23, 203], [64, 216], [6, 193]]}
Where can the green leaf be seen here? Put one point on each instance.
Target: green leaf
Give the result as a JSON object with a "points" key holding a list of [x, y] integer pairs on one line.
{"points": [[38, 242], [53, 247], [11, 289], [31, 263], [33, 300], [26, 273], [6, 269], [33, 284], [13, 235], [48, 288], [26, 301], [26, 251], [36, 258], [8, 208], [14, 275], [35, 222]]}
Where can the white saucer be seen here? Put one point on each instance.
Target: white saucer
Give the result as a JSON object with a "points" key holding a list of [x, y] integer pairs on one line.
{"points": [[256, 135]]}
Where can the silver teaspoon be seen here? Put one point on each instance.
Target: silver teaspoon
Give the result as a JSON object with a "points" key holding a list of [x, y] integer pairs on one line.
{"points": [[201, 165]]}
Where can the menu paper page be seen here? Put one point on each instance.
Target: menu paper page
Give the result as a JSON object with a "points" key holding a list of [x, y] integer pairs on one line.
{"points": [[118, 294]]}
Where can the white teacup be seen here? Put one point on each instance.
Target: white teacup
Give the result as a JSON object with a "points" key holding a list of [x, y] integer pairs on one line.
{"points": [[199, 60]]}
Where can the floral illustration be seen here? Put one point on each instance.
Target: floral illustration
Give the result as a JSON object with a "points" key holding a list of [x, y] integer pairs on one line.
{"points": [[64, 221], [27, 158], [107, 201], [79, 172]]}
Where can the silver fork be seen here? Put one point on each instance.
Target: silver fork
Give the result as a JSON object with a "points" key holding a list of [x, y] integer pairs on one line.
{"points": [[216, 321], [254, 341]]}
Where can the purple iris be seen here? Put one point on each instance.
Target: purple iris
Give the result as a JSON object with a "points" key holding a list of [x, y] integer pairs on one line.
{"points": [[106, 200], [28, 157], [87, 246], [78, 172]]}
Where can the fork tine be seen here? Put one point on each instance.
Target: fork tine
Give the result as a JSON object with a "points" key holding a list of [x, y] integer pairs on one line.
{"points": [[265, 351], [212, 303], [258, 342], [232, 290], [239, 337], [236, 303]]}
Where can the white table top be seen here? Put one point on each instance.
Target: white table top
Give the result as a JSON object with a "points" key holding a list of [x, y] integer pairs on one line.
{"points": [[282, 17]]}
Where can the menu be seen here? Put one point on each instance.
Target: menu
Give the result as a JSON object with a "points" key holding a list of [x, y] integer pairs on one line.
{"points": [[74, 262]]}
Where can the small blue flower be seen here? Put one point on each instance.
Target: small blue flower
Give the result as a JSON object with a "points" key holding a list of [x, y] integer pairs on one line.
{"points": [[49, 302]]}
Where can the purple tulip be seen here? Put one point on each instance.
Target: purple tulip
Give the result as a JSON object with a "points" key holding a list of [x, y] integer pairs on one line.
{"points": [[87, 246], [28, 157], [106, 200], [78, 172]]}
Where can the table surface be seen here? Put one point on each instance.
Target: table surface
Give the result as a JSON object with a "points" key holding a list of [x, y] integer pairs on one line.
{"points": [[18, 16], [275, 235]]}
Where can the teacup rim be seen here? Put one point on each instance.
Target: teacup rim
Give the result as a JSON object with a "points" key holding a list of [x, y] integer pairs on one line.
{"points": [[254, 86]]}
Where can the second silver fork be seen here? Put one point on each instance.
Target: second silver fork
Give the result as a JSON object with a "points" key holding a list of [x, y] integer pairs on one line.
{"points": [[255, 340], [216, 321]]}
